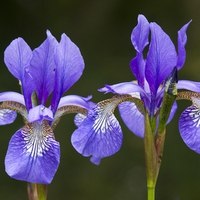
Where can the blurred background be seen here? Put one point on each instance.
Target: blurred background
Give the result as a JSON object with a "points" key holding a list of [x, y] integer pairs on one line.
{"points": [[102, 29]]}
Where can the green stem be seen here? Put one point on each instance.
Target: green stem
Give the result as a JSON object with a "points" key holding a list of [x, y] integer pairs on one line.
{"points": [[37, 191], [151, 193], [153, 147]]}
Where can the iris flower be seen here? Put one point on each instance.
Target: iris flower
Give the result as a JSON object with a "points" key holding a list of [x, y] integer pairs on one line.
{"points": [[100, 134], [45, 74]]}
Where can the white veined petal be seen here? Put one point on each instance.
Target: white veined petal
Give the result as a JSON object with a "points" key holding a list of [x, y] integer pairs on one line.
{"points": [[33, 154], [7, 116], [189, 127]]}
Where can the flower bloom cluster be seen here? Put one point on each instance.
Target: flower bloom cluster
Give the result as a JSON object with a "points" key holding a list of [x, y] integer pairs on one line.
{"points": [[33, 154], [48, 71], [100, 134]]}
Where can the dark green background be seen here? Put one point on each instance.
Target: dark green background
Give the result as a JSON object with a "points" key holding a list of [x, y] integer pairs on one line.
{"points": [[101, 29]]}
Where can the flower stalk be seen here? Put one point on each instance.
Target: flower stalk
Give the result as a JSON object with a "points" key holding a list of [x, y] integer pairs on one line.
{"points": [[37, 191], [154, 143], [150, 158]]}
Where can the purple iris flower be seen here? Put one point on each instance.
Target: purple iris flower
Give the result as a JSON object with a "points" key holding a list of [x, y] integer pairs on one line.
{"points": [[33, 154], [100, 134]]}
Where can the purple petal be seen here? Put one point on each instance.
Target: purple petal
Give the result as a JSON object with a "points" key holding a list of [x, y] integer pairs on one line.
{"points": [[70, 65], [33, 154], [132, 117], [17, 57], [40, 113], [123, 88], [12, 96], [189, 127], [139, 38], [173, 111], [7, 116], [76, 101], [182, 40], [189, 85], [140, 33], [78, 119], [95, 160], [138, 69], [99, 135], [161, 58], [43, 68]]}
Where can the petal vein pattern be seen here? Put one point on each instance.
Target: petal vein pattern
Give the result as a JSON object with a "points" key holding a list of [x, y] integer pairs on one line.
{"points": [[7, 116], [100, 134], [189, 127], [33, 154]]}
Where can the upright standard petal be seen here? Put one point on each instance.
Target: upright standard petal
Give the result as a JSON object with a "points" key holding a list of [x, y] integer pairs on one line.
{"points": [[70, 65], [100, 134], [43, 68], [17, 58], [189, 127], [161, 58], [139, 39], [139, 35], [33, 154], [182, 40]]}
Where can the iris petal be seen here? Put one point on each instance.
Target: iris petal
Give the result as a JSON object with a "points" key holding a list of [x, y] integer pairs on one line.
{"points": [[138, 68], [7, 116], [173, 111], [182, 40], [140, 33], [100, 134], [70, 65], [12, 96], [189, 127], [123, 88], [17, 57], [161, 58], [43, 68], [189, 85], [139, 38], [40, 113], [78, 119], [76, 101], [33, 154], [132, 117]]}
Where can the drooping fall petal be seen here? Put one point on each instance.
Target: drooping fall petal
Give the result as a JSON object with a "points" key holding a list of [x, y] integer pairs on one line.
{"points": [[100, 134], [33, 154], [189, 127]]}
